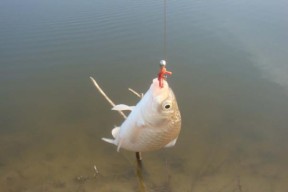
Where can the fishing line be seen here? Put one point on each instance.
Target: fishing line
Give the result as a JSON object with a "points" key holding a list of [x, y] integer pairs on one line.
{"points": [[164, 29], [162, 75]]}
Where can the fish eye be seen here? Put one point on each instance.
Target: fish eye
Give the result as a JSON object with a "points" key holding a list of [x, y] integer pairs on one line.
{"points": [[166, 105]]}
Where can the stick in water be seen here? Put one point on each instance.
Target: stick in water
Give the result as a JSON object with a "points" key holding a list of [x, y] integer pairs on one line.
{"points": [[137, 94], [106, 97]]}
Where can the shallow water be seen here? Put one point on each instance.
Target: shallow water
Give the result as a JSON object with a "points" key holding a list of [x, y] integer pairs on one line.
{"points": [[229, 63]]}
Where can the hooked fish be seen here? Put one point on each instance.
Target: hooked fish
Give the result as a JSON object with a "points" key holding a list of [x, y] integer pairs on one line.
{"points": [[152, 124]]}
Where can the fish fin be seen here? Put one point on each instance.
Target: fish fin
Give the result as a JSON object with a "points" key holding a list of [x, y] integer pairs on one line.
{"points": [[122, 107], [171, 143], [115, 131], [112, 141], [119, 145]]}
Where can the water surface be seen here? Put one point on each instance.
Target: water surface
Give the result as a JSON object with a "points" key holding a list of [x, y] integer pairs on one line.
{"points": [[229, 63]]}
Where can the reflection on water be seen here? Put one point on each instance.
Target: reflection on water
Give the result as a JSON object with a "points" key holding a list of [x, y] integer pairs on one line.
{"points": [[229, 75]]}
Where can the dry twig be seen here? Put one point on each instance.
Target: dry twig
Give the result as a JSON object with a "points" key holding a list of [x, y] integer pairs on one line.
{"points": [[137, 94], [106, 97]]}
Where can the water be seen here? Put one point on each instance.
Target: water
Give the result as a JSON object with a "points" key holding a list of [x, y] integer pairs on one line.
{"points": [[229, 63]]}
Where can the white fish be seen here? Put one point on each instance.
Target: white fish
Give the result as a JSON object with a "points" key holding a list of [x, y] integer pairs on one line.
{"points": [[154, 123]]}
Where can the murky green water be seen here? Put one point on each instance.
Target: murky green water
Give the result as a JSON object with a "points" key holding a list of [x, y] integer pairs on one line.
{"points": [[230, 76]]}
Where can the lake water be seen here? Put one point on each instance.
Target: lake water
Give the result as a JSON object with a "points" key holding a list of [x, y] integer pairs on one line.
{"points": [[230, 76]]}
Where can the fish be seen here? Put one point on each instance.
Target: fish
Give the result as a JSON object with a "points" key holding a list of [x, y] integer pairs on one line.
{"points": [[154, 123]]}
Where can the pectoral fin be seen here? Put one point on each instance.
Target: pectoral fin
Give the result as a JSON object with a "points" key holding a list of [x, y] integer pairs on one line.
{"points": [[119, 145], [122, 107], [112, 141], [172, 143], [115, 132]]}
